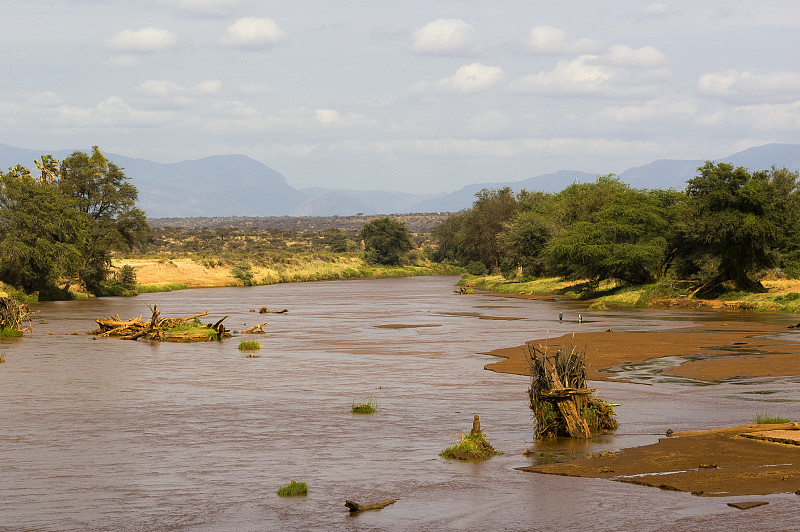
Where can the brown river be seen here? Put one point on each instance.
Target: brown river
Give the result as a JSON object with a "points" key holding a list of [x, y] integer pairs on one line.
{"points": [[107, 434]]}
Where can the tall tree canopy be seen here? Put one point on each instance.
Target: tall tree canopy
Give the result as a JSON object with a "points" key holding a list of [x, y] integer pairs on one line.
{"points": [[106, 198], [732, 221], [65, 222], [40, 232], [385, 241], [618, 234]]}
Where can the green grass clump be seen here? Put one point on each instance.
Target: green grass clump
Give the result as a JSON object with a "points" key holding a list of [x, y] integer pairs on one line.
{"points": [[293, 489], [193, 328], [469, 446], [767, 419], [10, 332], [368, 406], [159, 287], [249, 345]]}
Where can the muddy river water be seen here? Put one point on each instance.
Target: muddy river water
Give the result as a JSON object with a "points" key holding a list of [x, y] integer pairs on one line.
{"points": [[106, 434]]}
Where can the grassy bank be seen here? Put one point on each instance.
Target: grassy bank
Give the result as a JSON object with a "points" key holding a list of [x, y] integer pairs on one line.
{"points": [[783, 295], [163, 274]]}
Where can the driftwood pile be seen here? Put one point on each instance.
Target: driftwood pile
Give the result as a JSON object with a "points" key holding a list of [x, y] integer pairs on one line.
{"points": [[157, 328], [13, 314], [559, 398]]}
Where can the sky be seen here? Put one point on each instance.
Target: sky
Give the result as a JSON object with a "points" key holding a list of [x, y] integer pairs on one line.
{"points": [[418, 96]]}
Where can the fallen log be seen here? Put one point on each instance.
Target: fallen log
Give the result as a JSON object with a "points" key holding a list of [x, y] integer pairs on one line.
{"points": [[255, 329], [356, 507], [265, 310], [163, 329]]}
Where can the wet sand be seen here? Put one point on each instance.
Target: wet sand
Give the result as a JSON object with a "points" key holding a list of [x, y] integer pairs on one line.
{"points": [[708, 463], [728, 350]]}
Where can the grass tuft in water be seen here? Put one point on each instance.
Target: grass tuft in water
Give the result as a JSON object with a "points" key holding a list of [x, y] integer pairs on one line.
{"points": [[367, 406], [249, 345], [767, 419], [469, 446], [10, 332], [293, 489]]}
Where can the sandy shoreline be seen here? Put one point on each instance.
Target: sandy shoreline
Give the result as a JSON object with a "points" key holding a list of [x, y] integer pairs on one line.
{"points": [[748, 350], [706, 463]]}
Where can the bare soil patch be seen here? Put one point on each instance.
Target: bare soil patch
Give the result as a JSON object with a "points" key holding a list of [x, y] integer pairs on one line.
{"points": [[748, 350], [707, 463]]}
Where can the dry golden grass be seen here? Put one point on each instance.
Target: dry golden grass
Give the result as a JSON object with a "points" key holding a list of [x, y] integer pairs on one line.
{"points": [[186, 271]]}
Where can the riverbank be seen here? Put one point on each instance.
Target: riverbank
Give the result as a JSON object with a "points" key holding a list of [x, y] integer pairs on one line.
{"points": [[737, 461], [155, 275], [782, 295], [727, 462], [713, 352]]}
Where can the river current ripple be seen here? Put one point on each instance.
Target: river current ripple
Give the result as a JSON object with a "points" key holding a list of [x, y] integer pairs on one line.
{"points": [[106, 434]]}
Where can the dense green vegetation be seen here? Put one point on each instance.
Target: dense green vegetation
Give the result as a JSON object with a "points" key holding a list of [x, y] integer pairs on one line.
{"points": [[729, 226], [61, 225], [386, 241]]}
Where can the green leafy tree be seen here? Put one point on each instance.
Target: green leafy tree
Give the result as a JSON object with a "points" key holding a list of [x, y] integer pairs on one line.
{"points": [[733, 222], [622, 235], [385, 241], [483, 223], [525, 236], [40, 232], [107, 200]]}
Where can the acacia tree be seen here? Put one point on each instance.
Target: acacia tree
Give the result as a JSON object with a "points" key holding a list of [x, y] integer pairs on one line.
{"points": [[385, 241], [732, 222], [107, 201], [40, 232], [623, 235]]}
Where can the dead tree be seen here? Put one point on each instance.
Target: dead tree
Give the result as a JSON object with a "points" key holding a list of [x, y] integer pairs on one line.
{"points": [[558, 396], [12, 314]]}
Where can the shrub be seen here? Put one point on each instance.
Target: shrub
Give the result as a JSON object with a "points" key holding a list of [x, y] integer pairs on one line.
{"points": [[476, 267], [243, 271], [293, 489]]}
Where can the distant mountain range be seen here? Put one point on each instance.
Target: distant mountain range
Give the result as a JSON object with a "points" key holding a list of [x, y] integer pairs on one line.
{"points": [[236, 185]]}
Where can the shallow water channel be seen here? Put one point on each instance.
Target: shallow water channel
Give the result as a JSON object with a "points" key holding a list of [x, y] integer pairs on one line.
{"points": [[106, 434]]}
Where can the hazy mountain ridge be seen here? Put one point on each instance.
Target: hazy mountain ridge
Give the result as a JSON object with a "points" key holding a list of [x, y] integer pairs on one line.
{"points": [[236, 185]]}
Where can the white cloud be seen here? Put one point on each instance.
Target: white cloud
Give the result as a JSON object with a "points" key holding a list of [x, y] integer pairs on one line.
{"points": [[160, 88], [665, 112], [235, 110], [236, 116], [208, 87], [47, 98], [447, 36], [144, 40], [578, 76], [112, 112], [748, 87], [474, 77], [625, 56], [252, 32], [763, 117], [547, 40]]}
